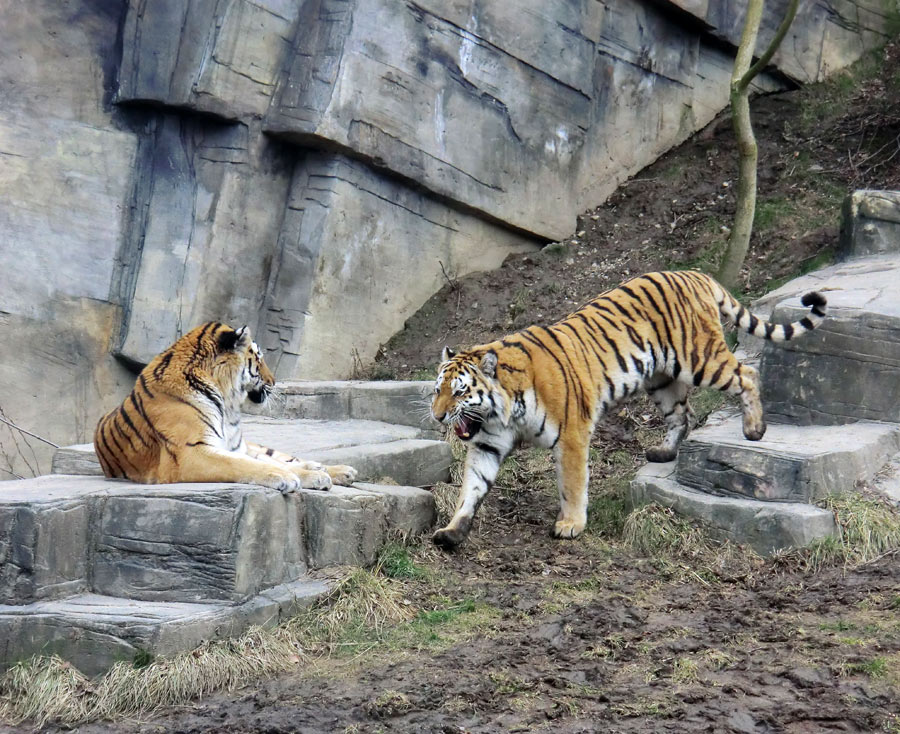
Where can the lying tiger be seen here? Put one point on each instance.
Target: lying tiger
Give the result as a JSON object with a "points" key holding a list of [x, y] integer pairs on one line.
{"points": [[182, 420], [548, 386]]}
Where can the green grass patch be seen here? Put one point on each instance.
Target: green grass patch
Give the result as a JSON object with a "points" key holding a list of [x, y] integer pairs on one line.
{"points": [[396, 562], [770, 213], [878, 667]]}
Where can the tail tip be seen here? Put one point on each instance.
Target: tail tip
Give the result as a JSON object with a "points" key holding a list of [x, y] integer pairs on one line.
{"points": [[814, 299]]}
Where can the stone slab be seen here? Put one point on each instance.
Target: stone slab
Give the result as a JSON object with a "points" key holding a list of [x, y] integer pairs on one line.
{"points": [[416, 462], [790, 463], [93, 631], [765, 526], [43, 547], [376, 449], [870, 224], [887, 481], [408, 513], [188, 542], [401, 402], [844, 370]]}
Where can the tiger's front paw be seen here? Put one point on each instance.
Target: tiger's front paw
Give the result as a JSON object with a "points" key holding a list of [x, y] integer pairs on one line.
{"points": [[567, 528], [283, 481], [341, 474], [448, 538], [315, 480]]}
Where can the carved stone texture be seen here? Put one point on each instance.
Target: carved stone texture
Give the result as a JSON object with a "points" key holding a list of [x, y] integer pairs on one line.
{"points": [[92, 632], [870, 224], [205, 229], [350, 243], [217, 56], [790, 463], [43, 541], [505, 108], [61, 535], [401, 402], [849, 368]]}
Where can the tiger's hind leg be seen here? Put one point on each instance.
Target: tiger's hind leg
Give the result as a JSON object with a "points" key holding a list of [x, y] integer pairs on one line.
{"points": [[724, 372], [671, 397]]}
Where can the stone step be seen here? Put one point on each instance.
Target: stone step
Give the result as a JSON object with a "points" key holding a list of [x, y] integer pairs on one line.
{"points": [[62, 535], [790, 463], [93, 631], [765, 526], [378, 450], [399, 402], [849, 368]]}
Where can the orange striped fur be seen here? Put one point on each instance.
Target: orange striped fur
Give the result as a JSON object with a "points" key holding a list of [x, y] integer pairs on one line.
{"points": [[182, 420], [548, 386]]}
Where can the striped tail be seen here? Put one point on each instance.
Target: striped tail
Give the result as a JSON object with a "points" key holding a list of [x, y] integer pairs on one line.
{"points": [[742, 318]]}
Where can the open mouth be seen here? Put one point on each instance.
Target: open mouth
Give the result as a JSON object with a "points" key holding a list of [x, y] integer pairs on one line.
{"points": [[467, 426]]}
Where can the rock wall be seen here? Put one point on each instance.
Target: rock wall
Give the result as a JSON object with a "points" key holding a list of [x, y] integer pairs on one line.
{"points": [[314, 167]]}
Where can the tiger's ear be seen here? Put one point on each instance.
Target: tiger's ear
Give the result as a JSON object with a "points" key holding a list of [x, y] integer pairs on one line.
{"points": [[447, 353], [234, 340], [488, 364]]}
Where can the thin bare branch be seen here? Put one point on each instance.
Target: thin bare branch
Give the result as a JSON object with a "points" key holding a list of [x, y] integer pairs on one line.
{"points": [[28, 433], [773, 46]]}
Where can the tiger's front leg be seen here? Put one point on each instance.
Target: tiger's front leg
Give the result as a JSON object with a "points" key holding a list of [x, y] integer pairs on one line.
{"points": [[482, 465], [312, 474], [572, 475]]}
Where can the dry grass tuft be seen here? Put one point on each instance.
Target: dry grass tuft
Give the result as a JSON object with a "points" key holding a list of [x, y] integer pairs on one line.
{"points": [[362, 600], [44, 690], [653, 530], [868, 528]]}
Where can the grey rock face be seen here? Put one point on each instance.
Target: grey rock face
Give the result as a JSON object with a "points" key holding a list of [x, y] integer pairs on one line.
{"points": [[187, 542], [94, 631], [870, 224], [848, 367], [404, 403]]}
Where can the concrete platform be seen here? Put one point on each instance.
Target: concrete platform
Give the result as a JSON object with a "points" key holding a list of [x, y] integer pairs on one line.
{"points": [[93, 631], [849, 368], [790, 463], [378, 450], [62, 535], [765, 526]]}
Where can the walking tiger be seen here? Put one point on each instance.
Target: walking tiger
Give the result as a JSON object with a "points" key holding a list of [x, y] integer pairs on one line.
{"points": [[549, 385]]}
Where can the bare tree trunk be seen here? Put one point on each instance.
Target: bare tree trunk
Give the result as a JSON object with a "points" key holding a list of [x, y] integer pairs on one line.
{"points": [[743, 74]]}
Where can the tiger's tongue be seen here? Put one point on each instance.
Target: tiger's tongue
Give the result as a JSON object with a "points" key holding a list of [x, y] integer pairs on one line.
{"points": [[461, 428]]}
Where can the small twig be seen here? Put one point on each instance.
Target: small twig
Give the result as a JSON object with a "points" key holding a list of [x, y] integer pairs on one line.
{"points": [[452, 282], [12, 473], [28, 433]]}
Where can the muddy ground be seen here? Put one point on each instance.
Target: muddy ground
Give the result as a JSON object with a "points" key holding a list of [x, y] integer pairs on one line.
{"points": [[583, 636], [519, 632]]}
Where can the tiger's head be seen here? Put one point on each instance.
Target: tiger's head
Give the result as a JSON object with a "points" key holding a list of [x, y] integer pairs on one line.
{"points": [[239, 364], [467, 394]]}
